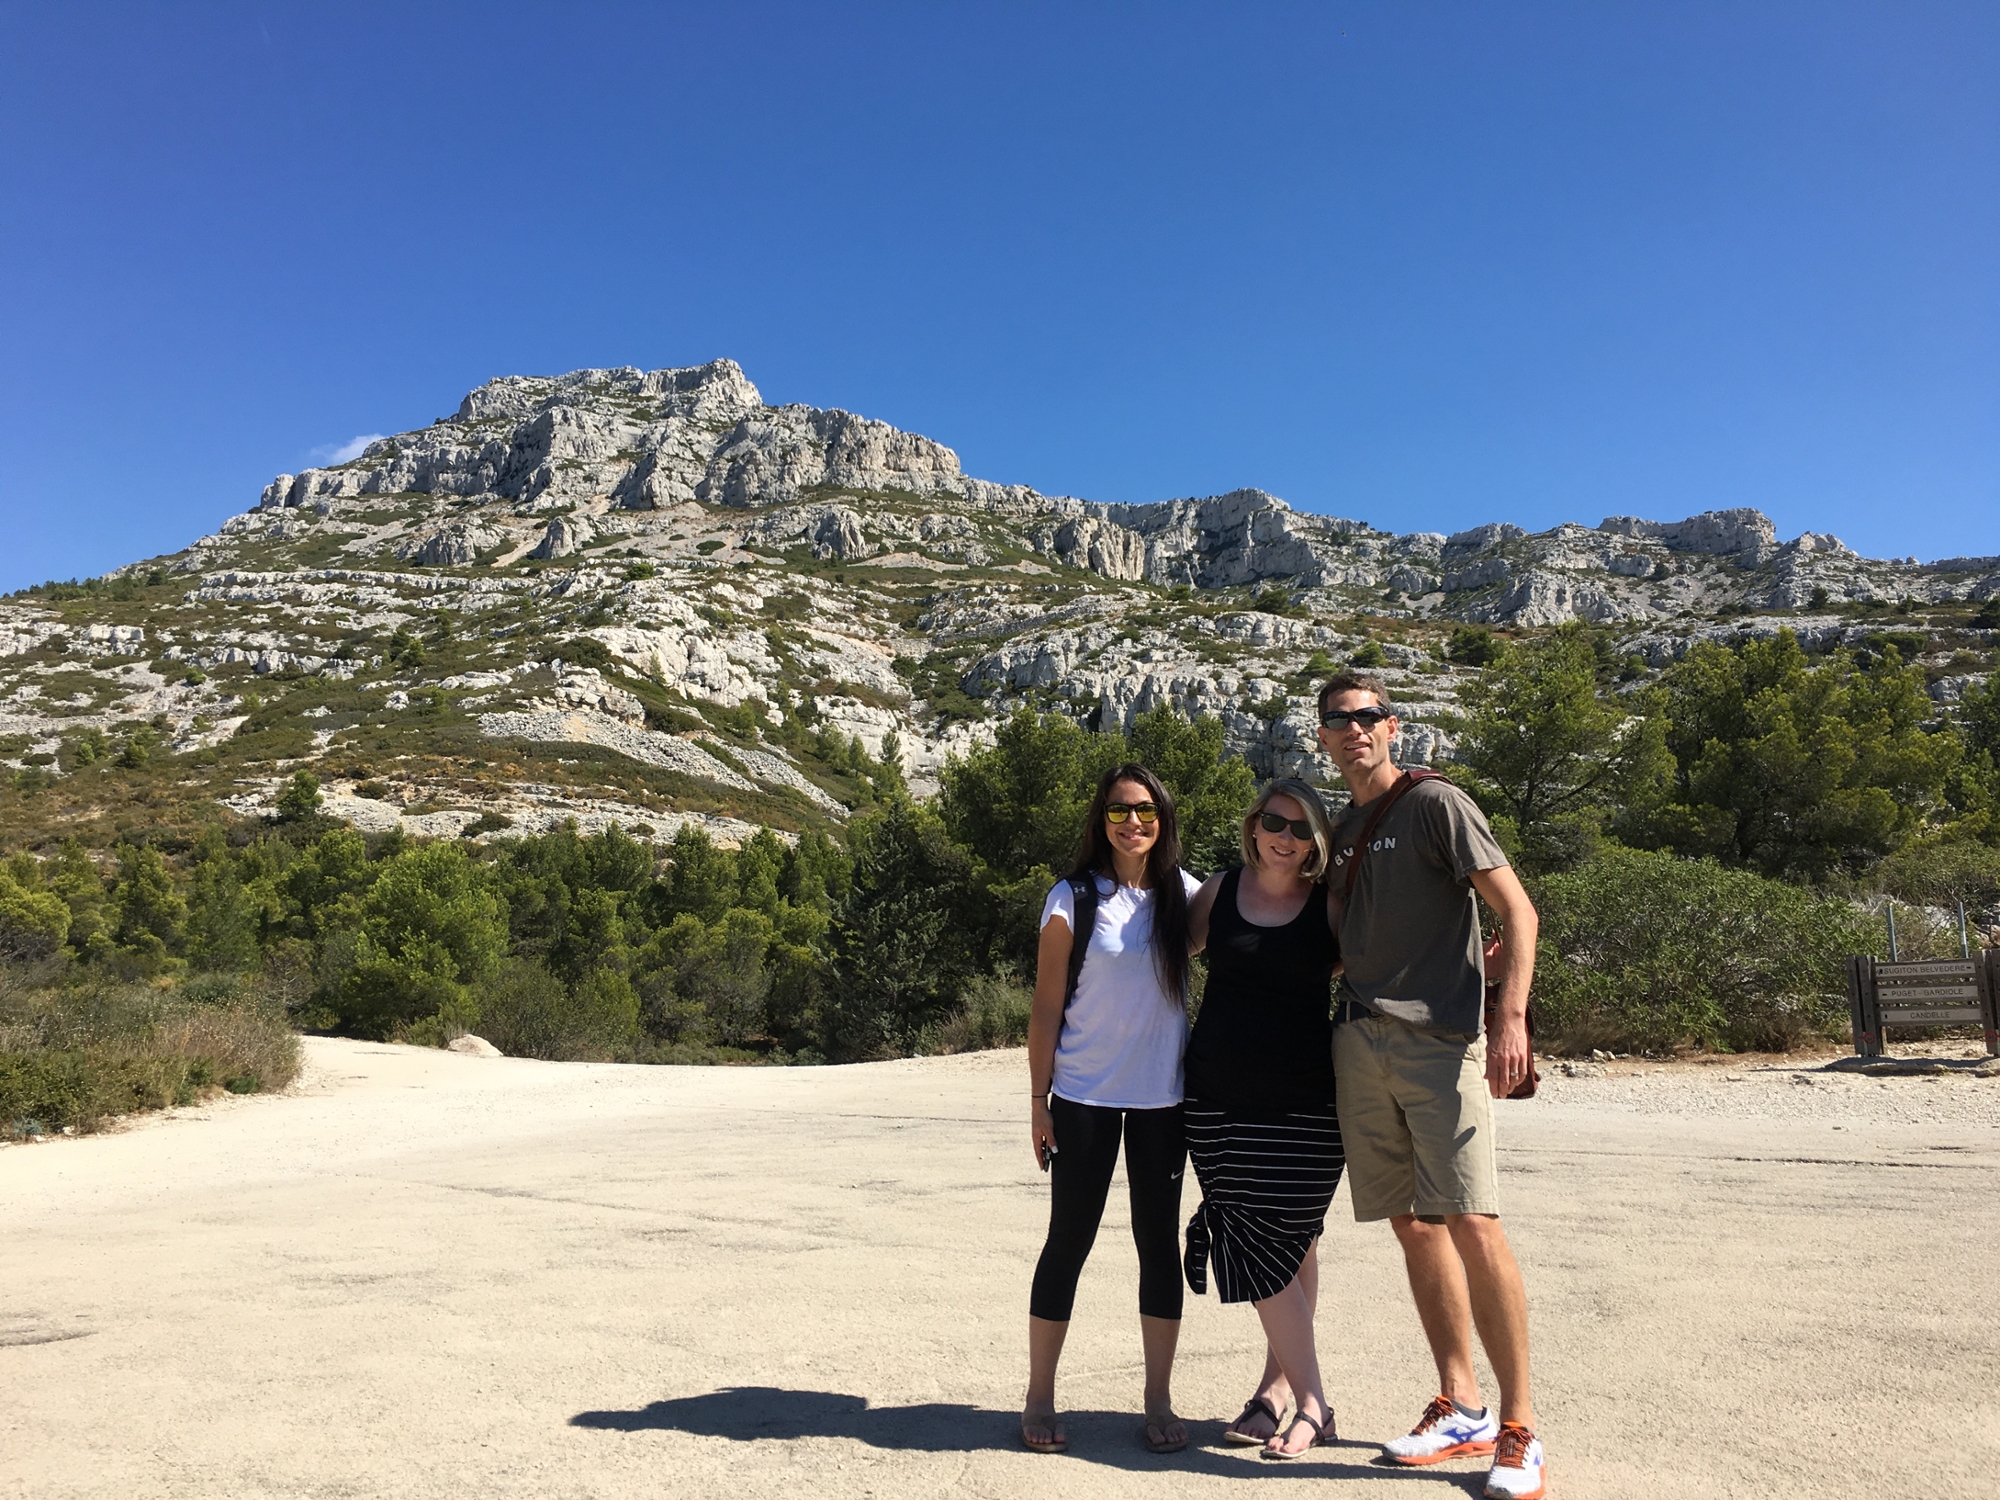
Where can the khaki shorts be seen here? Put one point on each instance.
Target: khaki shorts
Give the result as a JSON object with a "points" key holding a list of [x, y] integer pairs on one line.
{"points": [[1415, 1119]]}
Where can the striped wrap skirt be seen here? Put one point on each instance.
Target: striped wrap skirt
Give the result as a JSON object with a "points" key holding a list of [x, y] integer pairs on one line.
{"points": [[1266, 1181]]}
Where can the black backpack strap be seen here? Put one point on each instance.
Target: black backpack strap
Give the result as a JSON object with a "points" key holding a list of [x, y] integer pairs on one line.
{"points": [[1083, 893]]}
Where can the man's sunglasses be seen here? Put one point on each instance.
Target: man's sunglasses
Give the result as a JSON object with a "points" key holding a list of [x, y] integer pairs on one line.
{"points": [[1367, 718], [1118, 812], [1270, 822]]}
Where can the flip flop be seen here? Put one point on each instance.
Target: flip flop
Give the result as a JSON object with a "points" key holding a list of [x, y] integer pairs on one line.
{"points": [[1049, 1444], [1160, 1424], [1244, 1439], [1321, 1434]]}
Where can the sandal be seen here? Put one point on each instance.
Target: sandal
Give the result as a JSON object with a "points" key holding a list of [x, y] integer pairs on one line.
{"points": [[1160, 1425], [1053, 1443], [1244, 1439], [1322, 1433]]}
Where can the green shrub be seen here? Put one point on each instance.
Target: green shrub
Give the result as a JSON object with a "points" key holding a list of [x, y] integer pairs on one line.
{"points": [[525, 1011], [431, 925], [300, 799], [405, 650], [33, 922], [1471, 646], [908, 937], [584, 651], [75, 1051], [1943, 874], [708, 982], [1646, 952], [994, 1013]]}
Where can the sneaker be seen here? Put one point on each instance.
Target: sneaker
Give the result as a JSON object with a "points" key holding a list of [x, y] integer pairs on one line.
{"points": [[1445, 1432], [1518, 1470]]}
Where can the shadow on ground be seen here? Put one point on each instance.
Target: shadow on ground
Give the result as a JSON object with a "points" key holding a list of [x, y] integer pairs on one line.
{"points": [[748, 1414]]}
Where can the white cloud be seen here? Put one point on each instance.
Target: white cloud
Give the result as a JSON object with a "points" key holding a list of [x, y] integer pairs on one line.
{"points": [[340, 453]]}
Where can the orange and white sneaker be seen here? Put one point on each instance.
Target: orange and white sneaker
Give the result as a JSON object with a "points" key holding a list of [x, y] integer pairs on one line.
{"points": [[1519, 1472], [1443, 1432]]}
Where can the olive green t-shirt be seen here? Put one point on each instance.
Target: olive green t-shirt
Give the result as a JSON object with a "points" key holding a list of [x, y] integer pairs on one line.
{"points": [[1410, 933]]}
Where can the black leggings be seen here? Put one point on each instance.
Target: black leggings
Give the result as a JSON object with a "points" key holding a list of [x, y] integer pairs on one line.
{"points": [[1080, 1181]]}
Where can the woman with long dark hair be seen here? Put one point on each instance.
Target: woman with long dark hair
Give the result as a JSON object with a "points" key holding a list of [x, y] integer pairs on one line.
{"points": [[1261, 1127], [1104, 1059]]}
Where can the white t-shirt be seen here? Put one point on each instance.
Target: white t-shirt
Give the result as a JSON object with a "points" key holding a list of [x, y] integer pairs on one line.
{"points": [[1122, 1040]]}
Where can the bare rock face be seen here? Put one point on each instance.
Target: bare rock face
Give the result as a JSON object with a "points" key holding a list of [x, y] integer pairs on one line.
{"points": [[452, 546], [837, 533], [1746, 535], [685, 526], [564, 536], [775, 454], [472, 1046], [1106, 549]]}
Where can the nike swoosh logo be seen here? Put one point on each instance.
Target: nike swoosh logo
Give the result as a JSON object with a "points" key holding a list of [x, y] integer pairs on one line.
{"points": [[1173, 1176]]}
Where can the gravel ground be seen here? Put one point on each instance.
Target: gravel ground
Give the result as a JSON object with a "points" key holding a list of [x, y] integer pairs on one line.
{"points": [[433, 1276], [1810, 1089]]}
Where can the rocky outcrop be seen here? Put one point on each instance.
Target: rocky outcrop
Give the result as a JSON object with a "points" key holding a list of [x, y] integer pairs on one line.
{"points": [[563, 537], [842, 578], [456, 545], [773, 455], [699, 442], [1099, 546], [837, 533], [1745, 535]]}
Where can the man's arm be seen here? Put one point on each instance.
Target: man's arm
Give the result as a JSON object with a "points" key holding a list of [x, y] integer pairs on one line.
{"points": [[1507, 1051]]}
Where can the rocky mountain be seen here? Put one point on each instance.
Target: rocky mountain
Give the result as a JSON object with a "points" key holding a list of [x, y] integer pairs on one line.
{"points": [[649, 596]]}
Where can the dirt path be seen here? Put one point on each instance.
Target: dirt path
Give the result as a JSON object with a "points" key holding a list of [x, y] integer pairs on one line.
{"points": [[429, 1275]]}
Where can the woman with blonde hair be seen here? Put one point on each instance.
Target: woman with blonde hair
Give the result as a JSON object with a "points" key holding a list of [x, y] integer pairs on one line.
{"points": [[1261, 1128]]}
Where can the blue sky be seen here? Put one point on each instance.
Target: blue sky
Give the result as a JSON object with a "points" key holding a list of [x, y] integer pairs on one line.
{"points": [[1427, 265]]}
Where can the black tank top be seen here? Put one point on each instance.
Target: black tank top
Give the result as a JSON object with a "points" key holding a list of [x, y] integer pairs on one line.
{"points": [[1263, 1042]]}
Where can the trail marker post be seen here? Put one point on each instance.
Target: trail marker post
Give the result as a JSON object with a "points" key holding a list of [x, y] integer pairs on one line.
{"points": [[1938, 992]]}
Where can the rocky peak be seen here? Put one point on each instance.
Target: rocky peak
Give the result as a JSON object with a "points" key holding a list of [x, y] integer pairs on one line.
{"points": [[718, 390], [796, 579], [1747, 535]]}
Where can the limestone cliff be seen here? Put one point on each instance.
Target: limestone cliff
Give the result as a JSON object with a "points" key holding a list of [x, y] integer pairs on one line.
{"points": [[756, 586]]}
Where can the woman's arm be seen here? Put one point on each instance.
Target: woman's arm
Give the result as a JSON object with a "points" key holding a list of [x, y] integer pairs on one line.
{"points": [[1200, 904], [1044, 1028]]}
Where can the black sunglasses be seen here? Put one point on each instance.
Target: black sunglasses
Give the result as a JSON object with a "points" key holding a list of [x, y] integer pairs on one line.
{"points": [[1367, 718], [1272, 823], [1118, 812]]}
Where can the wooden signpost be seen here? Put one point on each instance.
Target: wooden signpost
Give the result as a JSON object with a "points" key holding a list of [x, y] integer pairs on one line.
{"points": [[1937, 992]]}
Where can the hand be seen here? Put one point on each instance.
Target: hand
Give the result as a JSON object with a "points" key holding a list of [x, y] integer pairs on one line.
{"points": [[1496, 958], [1508, 1057], [1041, 1131]]}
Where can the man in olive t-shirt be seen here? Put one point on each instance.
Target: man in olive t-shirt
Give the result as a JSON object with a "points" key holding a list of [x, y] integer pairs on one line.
{"points": [[1416, 1080]]}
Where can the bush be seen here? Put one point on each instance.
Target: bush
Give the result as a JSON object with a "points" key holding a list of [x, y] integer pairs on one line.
{"points": [[430, 926], [994, 1014], [33, 922], [75, 1051], [908, 937], [300, 799], [1943, 874], [708, 982], [585, 651], [1646, 952], [525, 1011], [1471, 646]]}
